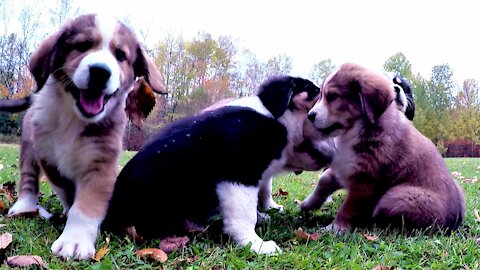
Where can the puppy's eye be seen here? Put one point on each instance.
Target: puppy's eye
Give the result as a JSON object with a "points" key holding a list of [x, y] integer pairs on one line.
{"points": [[120, 55], [83, 46], [331, 97]]}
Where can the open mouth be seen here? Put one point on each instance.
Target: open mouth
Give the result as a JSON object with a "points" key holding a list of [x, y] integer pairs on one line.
{"points": [[330, 129], [90, 102]]}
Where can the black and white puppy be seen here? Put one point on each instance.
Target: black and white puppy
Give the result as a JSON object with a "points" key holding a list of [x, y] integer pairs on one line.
{"points": [[404, 95], [214, 161]]}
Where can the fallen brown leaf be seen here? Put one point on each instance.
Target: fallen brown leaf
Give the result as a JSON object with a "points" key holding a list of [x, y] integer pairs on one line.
{"points": [[152, 253], [477, 216], [281, 192], [370, 237], [100, 253], [25, 260], [383, 267], [26, 214], [170, 244], [5, 240], [298, 202], [469, 180], [3, 206], [300, 233], [8, 190], [132, 232]]}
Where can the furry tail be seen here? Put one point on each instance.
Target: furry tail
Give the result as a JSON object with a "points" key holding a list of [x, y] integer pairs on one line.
{"points": [[15, 105]]}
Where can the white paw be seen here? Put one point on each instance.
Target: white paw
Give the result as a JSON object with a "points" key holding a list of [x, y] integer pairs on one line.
{"points": [[24, 204], [265, 247], [271, 204], [69, 246]]}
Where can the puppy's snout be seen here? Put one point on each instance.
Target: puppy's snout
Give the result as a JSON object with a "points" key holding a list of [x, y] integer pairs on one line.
{"points": [[99, 75], [311, 116]]}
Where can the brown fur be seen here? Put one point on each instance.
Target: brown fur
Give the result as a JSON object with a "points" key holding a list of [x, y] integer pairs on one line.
{"points": [[393, 174], [79, 156]]}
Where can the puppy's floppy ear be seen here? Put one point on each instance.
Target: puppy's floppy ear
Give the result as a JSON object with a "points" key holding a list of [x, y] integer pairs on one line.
{"points": [[41, 60], [146, 68], [140, 102], [276, 94], [374, 98]]}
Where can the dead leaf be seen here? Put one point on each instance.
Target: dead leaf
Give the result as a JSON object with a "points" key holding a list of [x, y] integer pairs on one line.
{"points": [[26, 214], [100, 253], [5, 240], [170, 244], [280, 193], [301, 234], [152, 253], [8, 190], [25, 260], [477, 216], [132, 232], [3, 206], [298, 202], [456, 174], [370, 237], [383, 267], [469, 180]]}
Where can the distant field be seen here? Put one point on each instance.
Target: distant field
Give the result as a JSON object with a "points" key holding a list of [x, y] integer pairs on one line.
{"points": [[356, 250]]}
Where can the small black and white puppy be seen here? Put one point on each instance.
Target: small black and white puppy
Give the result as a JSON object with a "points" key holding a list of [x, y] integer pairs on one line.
{"points": [[404, 98], [214, 162]]}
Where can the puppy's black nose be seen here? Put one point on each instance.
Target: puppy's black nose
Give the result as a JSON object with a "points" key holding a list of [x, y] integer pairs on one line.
{"points": [[311, 116], [99, 75]]}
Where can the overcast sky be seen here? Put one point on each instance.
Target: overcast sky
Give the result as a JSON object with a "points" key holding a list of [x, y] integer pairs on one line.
{"points": [[364, 31]]}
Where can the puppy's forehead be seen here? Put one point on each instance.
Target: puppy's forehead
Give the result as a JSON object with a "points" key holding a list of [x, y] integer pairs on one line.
{"points": [[108, 26]]}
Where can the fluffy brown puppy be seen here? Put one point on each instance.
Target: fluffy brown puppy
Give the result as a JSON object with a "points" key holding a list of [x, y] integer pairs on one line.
{"points": [[393, 174], [85, 73]]}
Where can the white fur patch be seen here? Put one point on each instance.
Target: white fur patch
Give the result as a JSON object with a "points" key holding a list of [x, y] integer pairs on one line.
{"points": [[238, 206], [252, 102], [78, 238]]}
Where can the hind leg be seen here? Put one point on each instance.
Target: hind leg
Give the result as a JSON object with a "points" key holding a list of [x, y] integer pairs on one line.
{"points": [[409, 207], [28, 186]]}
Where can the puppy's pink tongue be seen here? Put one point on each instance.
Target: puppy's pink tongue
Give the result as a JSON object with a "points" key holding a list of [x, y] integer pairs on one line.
{"points": [[92, 106]]}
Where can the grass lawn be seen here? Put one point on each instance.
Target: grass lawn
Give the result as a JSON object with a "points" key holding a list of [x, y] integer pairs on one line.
{"points": [[362, 249]]}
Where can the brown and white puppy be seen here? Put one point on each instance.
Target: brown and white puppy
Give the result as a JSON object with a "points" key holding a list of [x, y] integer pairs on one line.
{"points": [[393, 174], [73, 131]]}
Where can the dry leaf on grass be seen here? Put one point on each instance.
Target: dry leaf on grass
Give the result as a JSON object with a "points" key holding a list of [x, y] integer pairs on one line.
{"points": [[370, 237], [8, 190], [100, 253], [3, 206], [298, 202], [5, 240], [477, 216], [170, 244], [152, 253], [470, 180], [280, 192], [26, 214], [300, 233], [25, 260], [383, 267]]}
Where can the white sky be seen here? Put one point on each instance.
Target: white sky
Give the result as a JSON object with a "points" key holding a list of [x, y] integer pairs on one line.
{"points": [[364, 31]]}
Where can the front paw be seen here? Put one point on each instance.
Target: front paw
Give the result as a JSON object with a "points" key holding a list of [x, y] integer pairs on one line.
{"points": [[311, 203], [337, 227], [265, 247], [69, 246], [271, 204], [24, 204]]}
